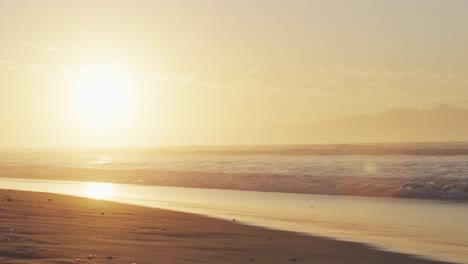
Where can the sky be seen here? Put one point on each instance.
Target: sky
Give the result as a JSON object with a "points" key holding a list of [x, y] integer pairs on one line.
{"points": [[146, 73]]}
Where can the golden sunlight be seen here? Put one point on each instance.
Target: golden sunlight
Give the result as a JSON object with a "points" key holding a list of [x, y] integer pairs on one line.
{"points": [[102, 98], [98, 190]]}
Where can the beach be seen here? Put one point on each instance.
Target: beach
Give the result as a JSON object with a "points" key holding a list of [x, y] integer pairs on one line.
{"points": [[50, 228], [256, 131]]}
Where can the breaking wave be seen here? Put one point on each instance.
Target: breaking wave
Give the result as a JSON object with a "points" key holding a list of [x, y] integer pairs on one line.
{"points": [[406, 176]]}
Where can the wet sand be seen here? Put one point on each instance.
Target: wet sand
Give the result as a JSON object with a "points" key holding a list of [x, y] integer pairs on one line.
{"points": [[50, 228]]}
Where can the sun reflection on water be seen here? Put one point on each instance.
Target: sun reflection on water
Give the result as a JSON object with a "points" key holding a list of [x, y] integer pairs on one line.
{"points": [[102, 160], [98, 190]]}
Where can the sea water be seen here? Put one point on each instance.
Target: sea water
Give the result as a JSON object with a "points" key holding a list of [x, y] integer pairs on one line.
{"points": [[326, 195], [404, 176]]}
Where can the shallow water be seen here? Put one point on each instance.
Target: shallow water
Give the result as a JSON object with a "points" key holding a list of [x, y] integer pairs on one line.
{"points": [[427, 228], [432, 177]]}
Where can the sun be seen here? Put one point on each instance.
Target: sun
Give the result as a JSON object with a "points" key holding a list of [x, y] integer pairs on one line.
{"points": [[102, 98]]}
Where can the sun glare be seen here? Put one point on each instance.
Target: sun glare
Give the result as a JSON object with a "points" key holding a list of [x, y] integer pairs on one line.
{"points": [[102, 98], [98, 190]]}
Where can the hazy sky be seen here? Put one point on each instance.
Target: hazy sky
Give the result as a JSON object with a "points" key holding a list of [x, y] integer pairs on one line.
{"points": [[193, 69]]}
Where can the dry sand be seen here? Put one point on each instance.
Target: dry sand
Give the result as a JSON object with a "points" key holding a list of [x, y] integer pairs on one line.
{"points": [[49, 228]]}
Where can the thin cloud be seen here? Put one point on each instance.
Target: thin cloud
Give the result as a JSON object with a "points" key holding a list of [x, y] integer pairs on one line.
{"points": [[49, 49], [13, 67]]}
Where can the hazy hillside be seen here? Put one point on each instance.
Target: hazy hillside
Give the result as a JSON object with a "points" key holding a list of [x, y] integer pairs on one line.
{"points": [[440, 124]]}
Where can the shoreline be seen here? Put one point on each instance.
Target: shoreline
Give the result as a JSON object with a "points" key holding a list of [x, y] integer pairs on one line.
{"points": [[51, 228], [201, 180]]}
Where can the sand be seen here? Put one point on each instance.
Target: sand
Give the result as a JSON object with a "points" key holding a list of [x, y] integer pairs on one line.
{"points": [[49, 228]]}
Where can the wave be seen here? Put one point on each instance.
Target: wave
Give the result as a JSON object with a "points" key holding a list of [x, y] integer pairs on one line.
{"points": [[425, 187], [426, 177]]}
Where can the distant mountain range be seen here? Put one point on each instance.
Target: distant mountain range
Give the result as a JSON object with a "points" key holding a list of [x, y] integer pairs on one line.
{"points": [[440, 124], [442, 130]]}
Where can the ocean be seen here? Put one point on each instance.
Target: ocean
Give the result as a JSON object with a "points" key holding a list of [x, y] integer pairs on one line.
{"points": [[355, 197], [440, 177]]}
